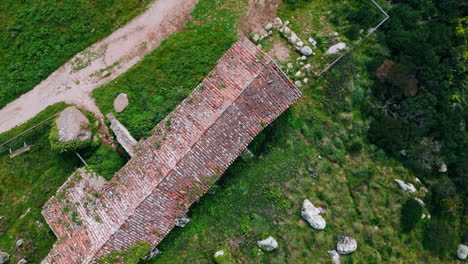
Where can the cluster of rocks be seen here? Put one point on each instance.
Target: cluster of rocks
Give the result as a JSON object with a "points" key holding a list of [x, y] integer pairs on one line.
{"points": [[5, 257]]}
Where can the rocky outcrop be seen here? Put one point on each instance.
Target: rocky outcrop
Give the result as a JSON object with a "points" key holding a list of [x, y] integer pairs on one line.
{"points": [[120, 102], [312, 215], [407, 187], [336, 48], [346, 245], [462, 252], [123, 136], [72, 124], [268, 244], [4, 257], [335, 257]]}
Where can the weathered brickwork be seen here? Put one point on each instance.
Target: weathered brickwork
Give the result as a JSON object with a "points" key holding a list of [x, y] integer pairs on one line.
{"points": [[170, 170]]}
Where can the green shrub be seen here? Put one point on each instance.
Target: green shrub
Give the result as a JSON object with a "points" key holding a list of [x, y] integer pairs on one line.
{"points": [[354, 147], [105, 162], [129, 256], [411, 213], [438, 237]]}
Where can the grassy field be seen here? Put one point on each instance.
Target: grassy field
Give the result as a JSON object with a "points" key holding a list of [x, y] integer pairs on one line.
{"points": [[37, 37], [30, 179]]}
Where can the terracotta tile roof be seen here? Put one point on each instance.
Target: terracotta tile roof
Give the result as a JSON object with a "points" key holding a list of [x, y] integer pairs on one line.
{"points": [[188, 152]]}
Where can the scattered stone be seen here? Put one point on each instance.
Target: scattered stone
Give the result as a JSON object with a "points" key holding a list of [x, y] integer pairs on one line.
{"points": [[376, 228], [124, 137], [306, 50], [259, 46], [4, 257], [286, 23], [335, 34], [73, 125], [421, 202], [298, 74], [270, 32], [153, 253], [403, 153], [286, 31], [268, 26], [290, 65], [256, 38], [20, 243], [306, 80], [336, 48], [268, 244], [462, 252], [423, 216], [23, 261], [313, 42], [278, 22], [300, 43], [219, 253], [182, 221], [312, 215], [346, 245], [417, 179], [307, 66], [120, 102], [298, 83], [334, 256], [293, 38], [443, 167], [406, 187]]}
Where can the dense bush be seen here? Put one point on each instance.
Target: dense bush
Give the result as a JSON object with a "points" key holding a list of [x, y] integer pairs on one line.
{"points": [[439, 237], [411, 213], [105, 162]]}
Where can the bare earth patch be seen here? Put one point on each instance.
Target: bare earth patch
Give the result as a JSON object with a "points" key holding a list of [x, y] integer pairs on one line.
{"points": [[280, 51], [102, 62], [260, 12]]}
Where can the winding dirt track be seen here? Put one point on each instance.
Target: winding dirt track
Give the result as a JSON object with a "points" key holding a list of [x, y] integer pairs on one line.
{"points": [[104, 61]]}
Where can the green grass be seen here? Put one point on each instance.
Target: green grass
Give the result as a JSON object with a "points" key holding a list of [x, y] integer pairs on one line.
{"points": [[157, 84], [30, 179], [37, 37]]}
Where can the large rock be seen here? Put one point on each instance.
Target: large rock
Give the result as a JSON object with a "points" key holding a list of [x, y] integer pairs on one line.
{"points": [[293, 38], [306, 50], [268, 244], [312, 215], [73, 125], [123, 136], [120, 102], [407, 187], [334, 256], [278, 22], [336, 48], [4, 257], [22, 261], [462, 252], [346, 245]]}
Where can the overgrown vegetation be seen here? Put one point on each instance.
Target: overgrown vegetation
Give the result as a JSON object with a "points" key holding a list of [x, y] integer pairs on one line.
{"points": [[411, 213], [37, 37], [129, 256]]}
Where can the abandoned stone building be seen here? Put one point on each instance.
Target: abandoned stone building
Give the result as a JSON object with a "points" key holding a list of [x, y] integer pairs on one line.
{"points": [[173, 168]]}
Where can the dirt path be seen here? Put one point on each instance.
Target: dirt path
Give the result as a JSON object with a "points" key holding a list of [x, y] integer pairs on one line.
{"points": [[100, 63]]}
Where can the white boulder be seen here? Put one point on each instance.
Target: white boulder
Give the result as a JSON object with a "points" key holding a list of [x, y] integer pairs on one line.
{"points": [[73, 125], [286, 31], [306, 80], [22, 261], [312, 215], [443, 167], [346, 245], [268, 244], [298, 83], [406, 187], [278, 22], [336, 48], [334, 256], [313, 42], [268, 26], [256, 38], [290, 65], [293, 38], [421, 202], [4, 257], [306, 50], [462, 252], [298, 74], [300, 43], [120, 102]]}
